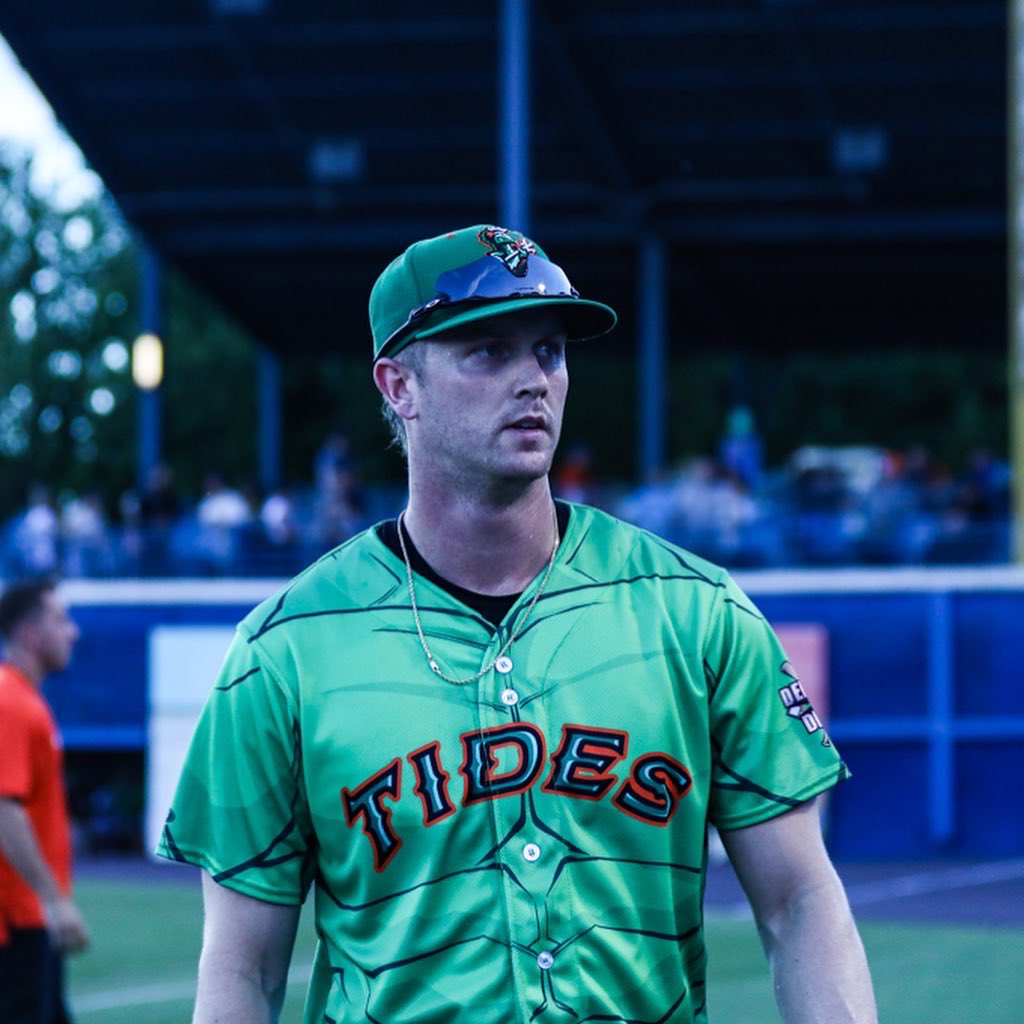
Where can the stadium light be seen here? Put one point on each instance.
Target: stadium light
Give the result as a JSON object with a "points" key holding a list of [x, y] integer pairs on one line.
{"points": [[147, 362]]}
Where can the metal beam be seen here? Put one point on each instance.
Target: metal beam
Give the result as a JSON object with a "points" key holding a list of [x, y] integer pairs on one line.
{"points": [[623, 25], [324, 201], [763, 228], [367, 85], [395, 81], [212, 138], [273, 33], [883, 18], [860, 73]]}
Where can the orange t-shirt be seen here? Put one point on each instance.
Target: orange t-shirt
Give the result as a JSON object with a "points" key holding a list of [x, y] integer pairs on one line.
{"points": [[31, 772]]}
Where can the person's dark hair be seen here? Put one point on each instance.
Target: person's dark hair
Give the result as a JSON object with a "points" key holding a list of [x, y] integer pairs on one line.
{"points": [[20, 601], [412, 359]]}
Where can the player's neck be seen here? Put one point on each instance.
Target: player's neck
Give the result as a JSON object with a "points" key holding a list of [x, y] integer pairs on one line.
{"points": [[26, 663], [490, 547]]}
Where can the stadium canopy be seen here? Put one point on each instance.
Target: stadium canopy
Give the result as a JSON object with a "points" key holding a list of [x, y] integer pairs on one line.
{"points": [[803, 174]]}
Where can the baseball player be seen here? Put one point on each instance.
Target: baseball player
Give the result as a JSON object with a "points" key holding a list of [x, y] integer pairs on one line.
{"points": [[490, 735], [39, 919]]}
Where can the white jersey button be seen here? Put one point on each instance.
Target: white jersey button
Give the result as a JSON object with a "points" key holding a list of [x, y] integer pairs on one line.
{"points": [[509, 697], [531, 851], [545, 961], [504, 664]]}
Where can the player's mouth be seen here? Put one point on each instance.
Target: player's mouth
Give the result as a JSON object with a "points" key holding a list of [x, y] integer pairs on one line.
{"points": [[529, 426]]}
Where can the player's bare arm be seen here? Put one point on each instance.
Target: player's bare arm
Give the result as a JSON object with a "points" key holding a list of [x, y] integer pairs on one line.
{"points": [[819, 969], [19, 845], [247, 947]]}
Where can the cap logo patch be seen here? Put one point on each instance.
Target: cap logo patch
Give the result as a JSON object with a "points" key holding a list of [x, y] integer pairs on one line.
{"points": [[511, 252]]}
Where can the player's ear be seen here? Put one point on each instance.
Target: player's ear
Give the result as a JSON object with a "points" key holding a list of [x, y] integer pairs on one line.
{"points": [[398, 385]]}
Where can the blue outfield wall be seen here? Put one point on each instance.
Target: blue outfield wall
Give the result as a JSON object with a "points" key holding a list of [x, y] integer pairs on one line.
{"points": [[925, 667]]}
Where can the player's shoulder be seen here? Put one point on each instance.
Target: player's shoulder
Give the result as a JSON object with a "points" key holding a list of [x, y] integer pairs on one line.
{"points": [[355, 574], [614, 544], [18, 697]]}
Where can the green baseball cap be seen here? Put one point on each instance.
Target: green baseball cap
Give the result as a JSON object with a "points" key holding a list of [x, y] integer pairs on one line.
{"points": [[469, 275]]}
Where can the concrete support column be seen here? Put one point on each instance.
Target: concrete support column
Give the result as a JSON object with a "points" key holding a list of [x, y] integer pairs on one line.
{"points": [[514, 115], [150, 399], [270, 418], [651, 371], [1015, 282]]}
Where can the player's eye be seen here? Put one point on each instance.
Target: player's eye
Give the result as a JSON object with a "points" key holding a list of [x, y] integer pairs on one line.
{"points": [[491, 350], [552, 352]]}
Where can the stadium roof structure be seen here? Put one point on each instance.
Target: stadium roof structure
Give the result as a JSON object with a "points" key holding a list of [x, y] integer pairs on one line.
{"points": [[822, 175]]}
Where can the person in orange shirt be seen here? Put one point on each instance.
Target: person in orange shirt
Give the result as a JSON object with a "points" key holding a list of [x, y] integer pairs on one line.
{"points": [[39, 920]]}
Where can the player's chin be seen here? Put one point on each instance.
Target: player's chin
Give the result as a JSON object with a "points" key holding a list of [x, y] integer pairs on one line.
{"points": [[528, 443], [58, 661], [528, 469]]}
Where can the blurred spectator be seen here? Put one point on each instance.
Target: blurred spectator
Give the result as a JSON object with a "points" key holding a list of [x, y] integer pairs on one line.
{"points": [[159, 509], [130, 548], [693, 498], [705, 508], [279, 517], [338, 501], [35, 535], [221, 506], [333, 464], [220, 516], [974, 520], [714, 509], [85, 536], [898, 526], [984, 491], [574, 479], [740, 450], [826, 521], [159, 505], [650, 507]]}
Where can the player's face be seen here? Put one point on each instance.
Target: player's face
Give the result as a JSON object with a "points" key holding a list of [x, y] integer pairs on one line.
{"points": [[53, 634], [489, 407]]}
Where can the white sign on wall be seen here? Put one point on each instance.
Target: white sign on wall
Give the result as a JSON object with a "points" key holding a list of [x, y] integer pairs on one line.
{"points": [[184, 662]]}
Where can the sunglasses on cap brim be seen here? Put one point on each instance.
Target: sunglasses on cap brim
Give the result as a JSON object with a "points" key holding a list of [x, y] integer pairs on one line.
{"points": [[488, 280]]}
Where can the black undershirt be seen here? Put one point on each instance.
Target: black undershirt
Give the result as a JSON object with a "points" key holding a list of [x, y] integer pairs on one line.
{"points": [[492, 607]]}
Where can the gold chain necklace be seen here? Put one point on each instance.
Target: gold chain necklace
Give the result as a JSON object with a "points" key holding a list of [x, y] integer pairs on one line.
{"points": [[521, 620]]}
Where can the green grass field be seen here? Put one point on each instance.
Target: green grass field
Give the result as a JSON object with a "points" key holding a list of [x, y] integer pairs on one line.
{"points": [[146, 937]]}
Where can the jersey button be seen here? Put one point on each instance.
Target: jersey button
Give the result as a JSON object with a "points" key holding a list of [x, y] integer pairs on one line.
{"points": [[504, 664], [545, 961], [531, 851], [509, 697]]}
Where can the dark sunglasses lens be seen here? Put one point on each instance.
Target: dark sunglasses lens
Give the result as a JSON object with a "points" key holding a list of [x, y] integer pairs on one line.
{"points": [[488, 278]]}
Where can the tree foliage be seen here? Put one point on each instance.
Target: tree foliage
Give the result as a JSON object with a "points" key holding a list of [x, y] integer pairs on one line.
{"points": [[69, 311], [67, 279]]}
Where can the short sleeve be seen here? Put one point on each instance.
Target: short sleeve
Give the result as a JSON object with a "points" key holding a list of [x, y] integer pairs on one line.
{"points": [[239, 810], [15, 749], [770, 751]]}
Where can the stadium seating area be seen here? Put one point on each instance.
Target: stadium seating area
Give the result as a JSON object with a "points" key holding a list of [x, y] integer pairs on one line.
{"points": [[824, 507]]}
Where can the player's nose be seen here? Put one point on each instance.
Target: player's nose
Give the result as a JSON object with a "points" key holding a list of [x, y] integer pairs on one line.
{"points": [[531, 377]]}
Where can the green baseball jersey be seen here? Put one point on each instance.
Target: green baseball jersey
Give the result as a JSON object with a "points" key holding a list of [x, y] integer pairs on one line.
{"points": [[527, 847]]}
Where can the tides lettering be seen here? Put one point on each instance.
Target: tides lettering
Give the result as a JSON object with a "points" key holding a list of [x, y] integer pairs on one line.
{"points": [[508, 760]]}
